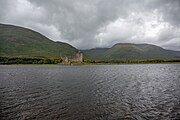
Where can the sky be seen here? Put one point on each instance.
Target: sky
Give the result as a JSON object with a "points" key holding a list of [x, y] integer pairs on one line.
{"points": [[89, 24]]}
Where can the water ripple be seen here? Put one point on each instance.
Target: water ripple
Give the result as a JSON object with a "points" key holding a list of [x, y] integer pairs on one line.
{"points": [[127, 92]]}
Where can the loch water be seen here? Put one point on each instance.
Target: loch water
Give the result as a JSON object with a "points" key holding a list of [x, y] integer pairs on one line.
{"points": [[97, 92]]}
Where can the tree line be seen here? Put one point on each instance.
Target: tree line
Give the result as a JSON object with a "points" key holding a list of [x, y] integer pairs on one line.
{"points": [[18, 60], [130, 62]]}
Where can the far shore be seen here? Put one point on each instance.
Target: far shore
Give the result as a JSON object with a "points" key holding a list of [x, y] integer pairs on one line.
{"points": [[85, 64]]}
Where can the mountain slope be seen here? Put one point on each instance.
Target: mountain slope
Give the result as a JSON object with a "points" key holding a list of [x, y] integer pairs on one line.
{"points": [[94, 53], [22, 42], [128, 51]]}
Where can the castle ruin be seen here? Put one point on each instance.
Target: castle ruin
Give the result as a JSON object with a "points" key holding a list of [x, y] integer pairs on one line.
{"points": [[78, 58]]}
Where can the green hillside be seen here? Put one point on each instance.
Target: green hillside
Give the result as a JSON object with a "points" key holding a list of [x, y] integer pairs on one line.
{"points": [[128, 51], [22, 42], [94, 53]]}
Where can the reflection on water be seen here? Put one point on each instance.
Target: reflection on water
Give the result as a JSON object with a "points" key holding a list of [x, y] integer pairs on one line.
{"points": [[128, 92]]}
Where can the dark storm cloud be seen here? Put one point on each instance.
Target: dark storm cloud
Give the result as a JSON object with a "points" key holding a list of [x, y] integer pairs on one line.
{"points": [[98, 23]]}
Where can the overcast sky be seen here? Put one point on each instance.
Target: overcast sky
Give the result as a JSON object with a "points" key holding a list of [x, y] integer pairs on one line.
{"points": [[98, 23]]}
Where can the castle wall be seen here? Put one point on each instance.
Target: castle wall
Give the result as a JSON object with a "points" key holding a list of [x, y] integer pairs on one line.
{"points": [[77, 58]]}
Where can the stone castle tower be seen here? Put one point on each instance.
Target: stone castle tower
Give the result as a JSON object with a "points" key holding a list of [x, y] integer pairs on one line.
{"points": [[79, 56]]}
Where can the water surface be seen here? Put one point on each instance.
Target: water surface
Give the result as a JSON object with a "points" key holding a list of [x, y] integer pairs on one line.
{"points": [[105, 92]]}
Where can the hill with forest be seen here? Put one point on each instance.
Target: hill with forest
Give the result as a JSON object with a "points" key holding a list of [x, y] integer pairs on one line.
{"points": [[132, 52]]}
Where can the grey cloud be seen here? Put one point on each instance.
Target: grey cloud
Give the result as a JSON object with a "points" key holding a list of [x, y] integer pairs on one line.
{"points": [[3, 8], [88, 24], [80, 20], [169, 8]]}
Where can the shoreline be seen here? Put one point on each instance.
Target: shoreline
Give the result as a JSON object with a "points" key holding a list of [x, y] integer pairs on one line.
{"points": [[86, 64]]}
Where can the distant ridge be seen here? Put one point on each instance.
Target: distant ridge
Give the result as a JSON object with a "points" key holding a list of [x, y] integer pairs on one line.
{"points": [[133, 52], [22, 42], [17, 41]]}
